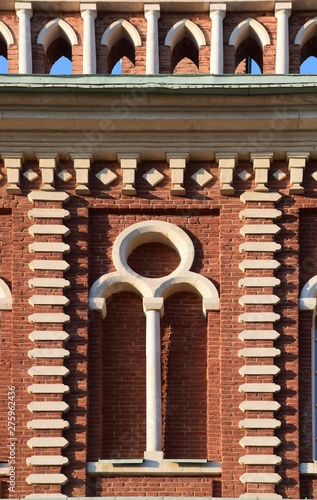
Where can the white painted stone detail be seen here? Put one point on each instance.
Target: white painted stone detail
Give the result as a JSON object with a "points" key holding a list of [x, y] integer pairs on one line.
{"points": [[259, 282], [244, 175], [261, 167], [82, 164], [259, 352], [47, 460], [30, 175], [259, 247], [51, 229], [48, 196], [153, 177], [296, 166], [262, 478], [48, 283], [259, 423], [49, 318], [226, 163], [48, 353], [65, 176], [49, 247], [48, 389], [260, 460], [47, 479], [259, 370], [260, 388], [259, 335], [48, 334], [48, 423], [259, 299], [48, 406], [314, 175], [266, 441], [47, 442], [259, 264], [52, 300], [49, 265], [260, 213], [177, 164], [202, 177], [47, 496], [259, 406], [261, 317], [261, 496], [48, 213], [48, 371], [260, 229], [106, 176], [258, 196], [279, 175]]}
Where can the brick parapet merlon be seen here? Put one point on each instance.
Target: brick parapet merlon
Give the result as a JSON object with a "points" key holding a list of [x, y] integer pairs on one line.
{"points": [[260, 227], [48, 372]]}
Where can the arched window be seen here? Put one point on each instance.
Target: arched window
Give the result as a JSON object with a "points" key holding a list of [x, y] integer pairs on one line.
{"points": [[249, 39], [185, 39], [307, 39], [57, 38], [121, 38], [6, 39]]}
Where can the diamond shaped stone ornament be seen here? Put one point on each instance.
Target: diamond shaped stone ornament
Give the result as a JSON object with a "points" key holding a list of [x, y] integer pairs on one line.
{"points": [[153, 177], [244, 175], [279, 175], [65, 175], [30, 175], [106, 176], [202, 177], [314, 175]]}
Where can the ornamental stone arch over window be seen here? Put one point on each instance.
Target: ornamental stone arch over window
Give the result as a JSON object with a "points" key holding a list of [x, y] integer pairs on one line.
{"points": [[154, 292], [5, 297], [307, 40], [249, 39], [57, 38], [121, 38], [185, 39], [6, 39]]}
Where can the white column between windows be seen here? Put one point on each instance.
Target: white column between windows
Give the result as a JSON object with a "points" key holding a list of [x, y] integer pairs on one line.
{"points": [[24, 13], [153, 308], [89, 14], [217, 15], [282, 13], [152, 15]]}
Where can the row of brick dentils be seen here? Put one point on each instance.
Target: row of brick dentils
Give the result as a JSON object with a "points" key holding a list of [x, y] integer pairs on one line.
{"points": [[259, 443], [48, 371]]}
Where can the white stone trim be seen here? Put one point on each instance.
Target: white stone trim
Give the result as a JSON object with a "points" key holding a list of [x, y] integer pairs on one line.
{"points": [[178, 32], [48, 371], [49, 247], [49, 265], [259, 317], [259, 352], [49, 318], [48, 196], [89, 13], [259, 388], [259, 335], [259, 299], [47, 442], [158, 467], [24, 12], [48, 353], [49, 283], [259, 282], [54, 29], [47, 479], [259, 264], [283, 11], [48, 213], [48, 389], [152, 15], [118, 30], [260, 213], [51, 300], [260, 460], [259, 196], [249, 27], [259, 406], [259, 370], [44, 460], [47, 424], [260, 423], [308, 468], [259, 247], [266, 441], [259, 229], [217, 15], [5, 297], [48, 406], [306, 32], [6, 33], [51, 229], [262, 478]]}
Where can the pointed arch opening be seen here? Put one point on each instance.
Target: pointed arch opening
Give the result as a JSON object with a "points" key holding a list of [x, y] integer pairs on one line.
{"points": [[57, 38], [121, 38], [185, 39], [6, 38], [306, 38], [249, 39]]}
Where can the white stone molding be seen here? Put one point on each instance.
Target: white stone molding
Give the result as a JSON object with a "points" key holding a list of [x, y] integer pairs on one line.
{"points": [[249, 28], [259, 405], [5, 297], [306, 32], [47, 165], [260, 213], [262, 478], [256, 196], [259, 264], [266, 441], [51, 229], [42, 460], [308, 296], [89, 13], [48, 196], [260, 423], [121, 29], [48, 213], [226, 163], [259, 335], [47, 479], [48, 406], [82, 165], [217, 15], [260, 460], [128, 164], [260, 229], [13, 166], [185, 29], [49, 247], [283, 11], [24, 12], [152, 15], [259, 352], [49, 265], [6, 33], [259, 247], [261, 167], [177, 163], [296, 166], [55, 29]]}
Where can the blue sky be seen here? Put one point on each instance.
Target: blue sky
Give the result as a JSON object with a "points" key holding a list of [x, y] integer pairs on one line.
{"points": [[64, 67]]}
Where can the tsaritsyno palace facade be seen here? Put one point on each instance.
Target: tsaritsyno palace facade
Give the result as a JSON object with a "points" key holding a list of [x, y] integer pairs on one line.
{"points": [[158, 250]]}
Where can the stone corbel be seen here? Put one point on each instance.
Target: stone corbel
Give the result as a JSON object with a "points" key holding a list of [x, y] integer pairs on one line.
{"points": [[296, 165], [177, 164], [128, 164], [13, 166], [82, 168], [47, 165], [226, 163], [261, 167]]}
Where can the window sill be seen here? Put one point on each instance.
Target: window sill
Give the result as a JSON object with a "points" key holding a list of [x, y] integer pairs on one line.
{"points": [[164, 467]]}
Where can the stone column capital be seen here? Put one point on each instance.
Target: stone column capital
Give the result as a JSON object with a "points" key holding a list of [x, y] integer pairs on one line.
{"points": [[283, 7]]}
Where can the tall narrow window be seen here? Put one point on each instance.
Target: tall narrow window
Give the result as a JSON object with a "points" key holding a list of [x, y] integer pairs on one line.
{"points": [[121, 39], [57, 38], [249, 39]]}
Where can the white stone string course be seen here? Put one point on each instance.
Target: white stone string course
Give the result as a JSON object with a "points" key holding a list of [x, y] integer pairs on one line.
{"points": [[51, 319], [255, 462]]}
